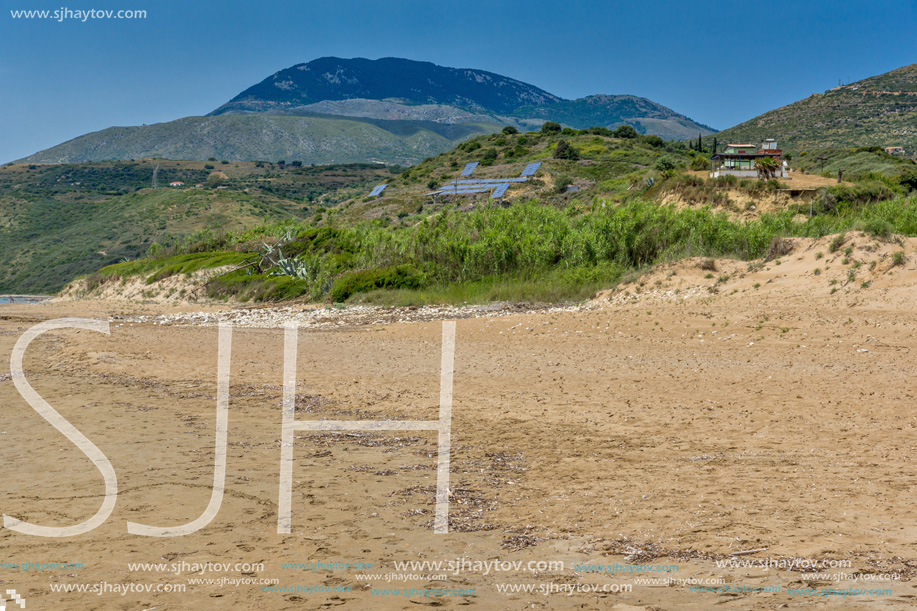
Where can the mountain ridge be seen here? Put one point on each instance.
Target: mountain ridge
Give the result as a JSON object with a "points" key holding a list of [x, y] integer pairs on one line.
{"points": [[393, 110], [387, 78]]}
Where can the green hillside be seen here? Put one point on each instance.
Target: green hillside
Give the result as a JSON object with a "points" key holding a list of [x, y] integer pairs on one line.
{"points": [[589, 215], [309, 139], [60, 221], [877, 111]]}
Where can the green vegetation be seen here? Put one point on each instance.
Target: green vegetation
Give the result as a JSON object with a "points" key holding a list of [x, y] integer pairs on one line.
{"points": [[646, 116], [523, 251], [61, 221], [285, 230], [868, 162]]}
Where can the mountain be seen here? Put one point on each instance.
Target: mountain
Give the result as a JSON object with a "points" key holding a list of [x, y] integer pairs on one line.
{"points": [[392, 110], [332, 78], [312, 139], [880, 110], [646, 116], [391, 87]]}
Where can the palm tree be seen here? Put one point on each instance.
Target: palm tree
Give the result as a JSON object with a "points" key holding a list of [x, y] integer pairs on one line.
{"points": [[767, 167]]}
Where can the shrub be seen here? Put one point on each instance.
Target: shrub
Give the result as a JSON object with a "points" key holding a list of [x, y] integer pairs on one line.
{"points": [[654, 141], [600, 131], [208, 166], [489, 156], [624, 131], [879, 228], [398, 277], [565, 151], [666, 165], [509, 129], [708, 265], [550, 127], [700, 163], [908, 180], [837, 242], [562, 182], [898, 258]]}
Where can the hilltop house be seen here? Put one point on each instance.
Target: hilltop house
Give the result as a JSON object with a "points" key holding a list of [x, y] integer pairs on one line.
{"points": [[177, 184], [894, 150], [739, 160]]}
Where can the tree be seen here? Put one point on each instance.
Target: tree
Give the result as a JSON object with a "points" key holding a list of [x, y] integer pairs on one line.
{"points": [[509, 130], [565, 151], [624, 131], [550, 127], [714, 145], [700, 144], [766, 167]]}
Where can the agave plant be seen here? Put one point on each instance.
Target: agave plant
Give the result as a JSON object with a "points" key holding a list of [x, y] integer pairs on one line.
{"points": [[310, 268]]}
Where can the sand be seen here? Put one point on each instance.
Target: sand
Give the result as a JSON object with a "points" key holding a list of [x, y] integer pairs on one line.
{"points": [[672, 422]]}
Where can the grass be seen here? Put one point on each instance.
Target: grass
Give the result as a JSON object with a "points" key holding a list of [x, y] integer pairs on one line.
{"points": [[159, 269], [523, 252], [550, 287]]}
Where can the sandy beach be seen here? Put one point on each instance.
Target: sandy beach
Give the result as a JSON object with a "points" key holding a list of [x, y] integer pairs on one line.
{"points": [[684, 432]]}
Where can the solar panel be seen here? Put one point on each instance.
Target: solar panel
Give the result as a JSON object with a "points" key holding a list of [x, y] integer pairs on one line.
{"points": [[500, 191], [377, 190], [469, 168], [484, 181], [468, 191], [531, 168]]}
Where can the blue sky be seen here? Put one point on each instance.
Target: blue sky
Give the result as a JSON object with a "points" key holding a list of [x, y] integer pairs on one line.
{"points": [[719, 63]]}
